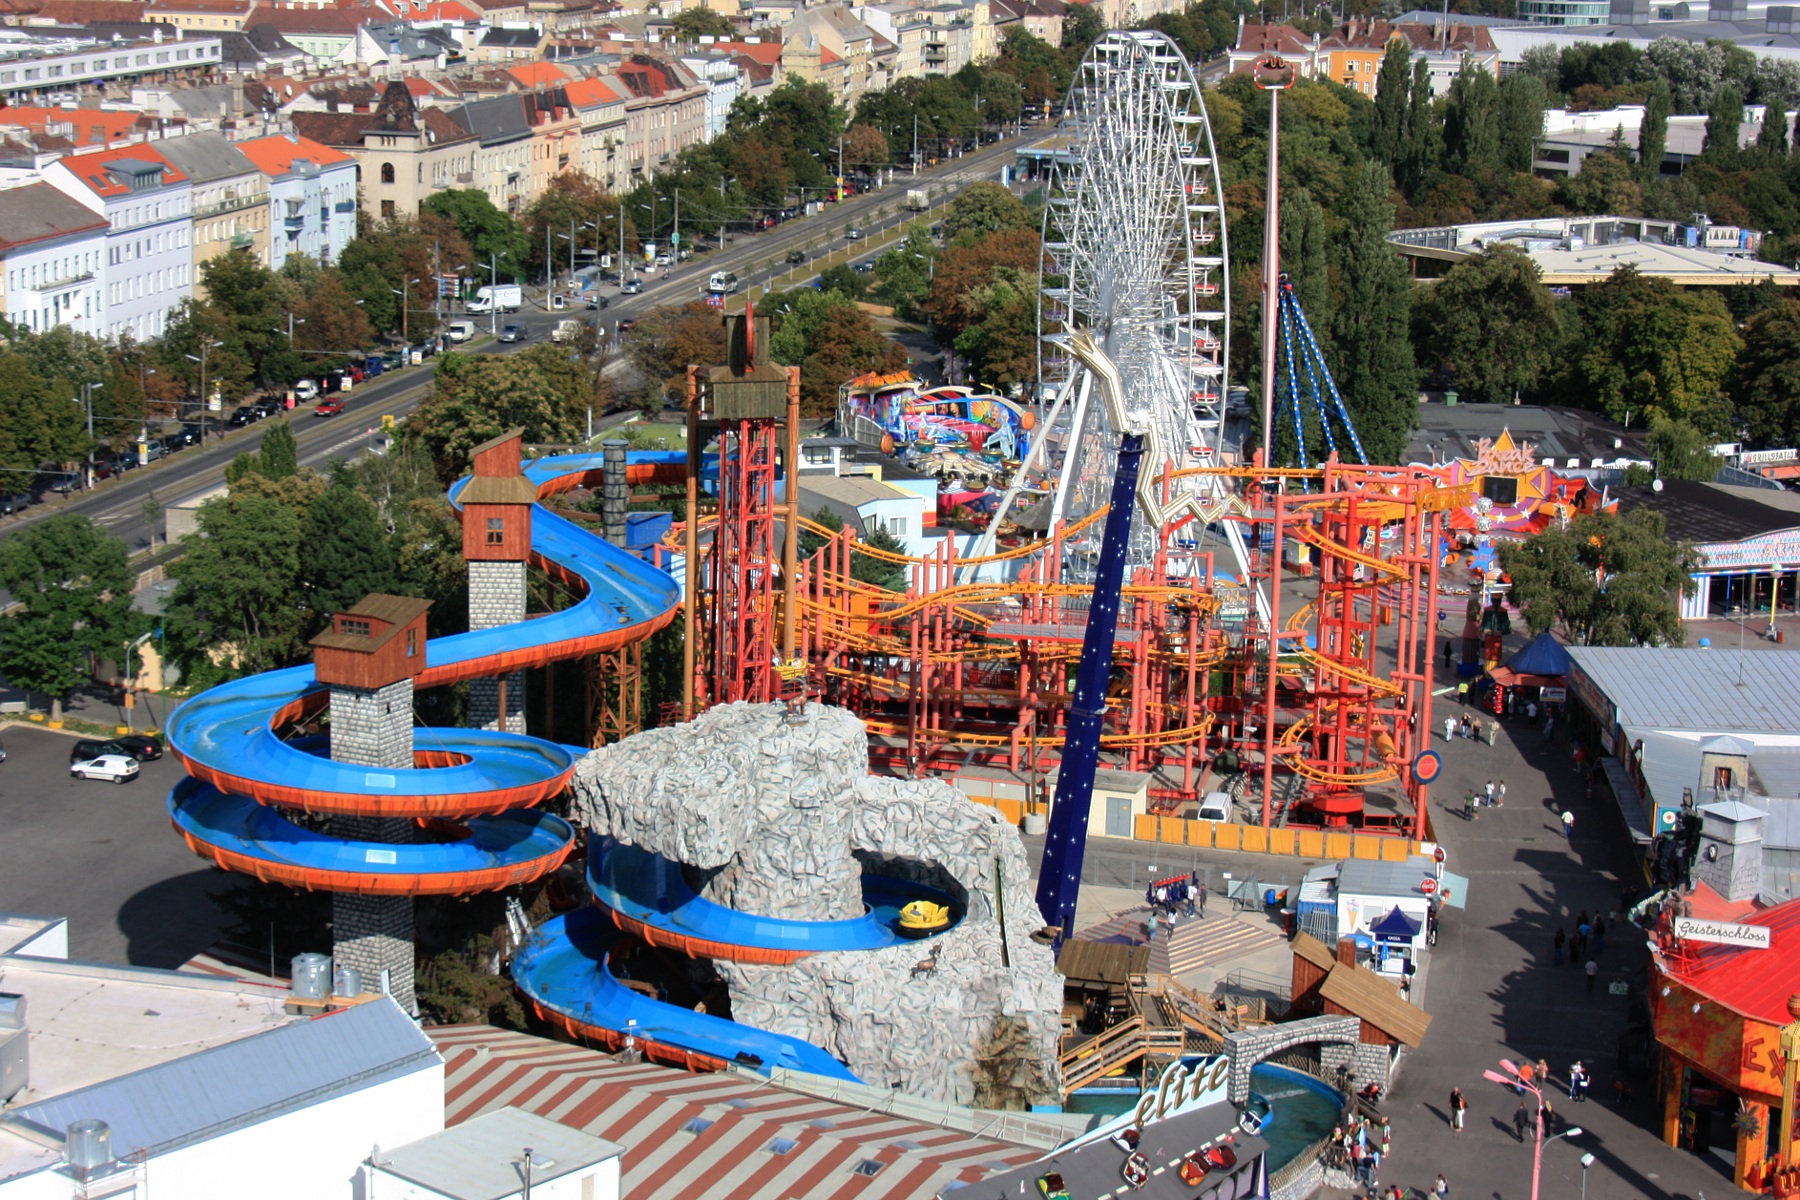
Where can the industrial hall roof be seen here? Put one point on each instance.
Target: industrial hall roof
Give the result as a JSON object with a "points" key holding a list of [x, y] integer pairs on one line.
{"points": [[1707, 691], [1715, 512]]}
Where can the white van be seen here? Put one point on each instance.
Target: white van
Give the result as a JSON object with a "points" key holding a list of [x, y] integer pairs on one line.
{"points": [[722, 283], [1215, 807], [460, 331]]}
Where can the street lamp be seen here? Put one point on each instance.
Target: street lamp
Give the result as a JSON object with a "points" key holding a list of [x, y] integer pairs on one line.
{"points": [[292, 321], [206, 349], [87, 403], [1522, 1078], [1587, 1160], [405, 294]]}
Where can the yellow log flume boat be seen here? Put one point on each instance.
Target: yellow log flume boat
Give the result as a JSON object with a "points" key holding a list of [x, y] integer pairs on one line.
{"points": [[922, 918]]}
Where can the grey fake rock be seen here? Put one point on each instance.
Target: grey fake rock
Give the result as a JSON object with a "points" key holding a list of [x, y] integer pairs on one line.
{"points": [[784, 820]]}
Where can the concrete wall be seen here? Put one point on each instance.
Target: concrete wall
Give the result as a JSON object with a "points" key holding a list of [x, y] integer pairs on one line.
{"points": [[1338, 1045]]}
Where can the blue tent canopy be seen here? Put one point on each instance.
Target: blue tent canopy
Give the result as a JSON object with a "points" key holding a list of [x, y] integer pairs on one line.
{"points": [[1543, 656], [1396, 925]]}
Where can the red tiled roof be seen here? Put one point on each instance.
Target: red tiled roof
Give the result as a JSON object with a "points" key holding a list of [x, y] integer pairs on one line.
{"points": [[537, 75], [1272, 39], [643, 1107], [90, 126], [332, 129], [315, 21], [86, 12], [1756, 983], [766, 53], [275, 155], [592, 93], [91, 170]]}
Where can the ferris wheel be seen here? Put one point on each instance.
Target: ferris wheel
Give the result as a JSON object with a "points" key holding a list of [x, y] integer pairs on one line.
{"points": [[1136, 257]]}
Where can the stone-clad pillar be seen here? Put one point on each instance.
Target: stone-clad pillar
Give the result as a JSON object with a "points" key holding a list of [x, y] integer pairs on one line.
{"points": [[373, 727], [496, 597]]}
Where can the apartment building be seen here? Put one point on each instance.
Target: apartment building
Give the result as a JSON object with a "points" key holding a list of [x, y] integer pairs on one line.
{"points": [[230, 196], [312, 197], [208, 16], [504, 149], [147, 202], [403, 153], [599, 105], [665, 114], [51, 67], [52, 259], [1351, 54]]}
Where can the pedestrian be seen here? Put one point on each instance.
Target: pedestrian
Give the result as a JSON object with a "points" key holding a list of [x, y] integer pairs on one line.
{"points": [[1512, 702], [1549, 728], [1593, 973], [1583, 932], [1500, 794], [1191, 893], [1387, 1139], [1576, 1073], [1442, 1187], [1493, 730], [1521, 1119], [1568, 822], [1458, 1106], [1448, 654], [1556, 948], [1469, 806], [1531, 711], [1449, 728], [1462, 691], [1462, 729], [1599, 936], [1150, 931], [1475, 729], [1490, 793], [1171, 925], [1202, 899]]}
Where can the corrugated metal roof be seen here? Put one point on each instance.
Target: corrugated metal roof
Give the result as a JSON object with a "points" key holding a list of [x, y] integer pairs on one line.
{"points": [[1662, 687], [1367, 877], [644, 1107], [216, 1091]]}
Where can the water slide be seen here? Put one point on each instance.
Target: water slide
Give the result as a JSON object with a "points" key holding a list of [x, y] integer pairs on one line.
{"points": [[474, 793]]}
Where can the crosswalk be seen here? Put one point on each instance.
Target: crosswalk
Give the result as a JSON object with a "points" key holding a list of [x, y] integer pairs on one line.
{"points": [[1196, 943]]}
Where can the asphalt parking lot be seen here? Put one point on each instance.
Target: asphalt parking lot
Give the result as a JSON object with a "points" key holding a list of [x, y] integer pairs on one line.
{"points": [[102, 855]]}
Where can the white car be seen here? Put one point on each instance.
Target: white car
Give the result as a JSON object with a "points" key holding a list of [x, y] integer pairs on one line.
{"points": [[116, 767], [306, 390]]}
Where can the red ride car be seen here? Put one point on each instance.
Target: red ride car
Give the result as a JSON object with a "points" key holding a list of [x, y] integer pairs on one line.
{"points": [[329, 408]]}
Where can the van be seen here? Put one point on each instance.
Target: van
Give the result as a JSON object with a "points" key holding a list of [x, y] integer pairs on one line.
{"points": [[722, 283], [1215, 807], [460, 331]]}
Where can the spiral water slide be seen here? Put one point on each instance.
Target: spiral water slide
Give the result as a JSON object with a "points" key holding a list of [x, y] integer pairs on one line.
{"points": [[474, 793]]}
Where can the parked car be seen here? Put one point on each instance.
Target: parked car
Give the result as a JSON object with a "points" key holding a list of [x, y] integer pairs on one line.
{"points": [[173, 443], [140, 746], [104, 469], [512, 333], [374, 365], [329, 408], [393, 360], [192, 432], [460, 331], [306, 389], [151, 451], [65, 483], [269, 406], [14, 504], [118, 768], [87, 748], [243, 415], [427, 348], [124, 461]]}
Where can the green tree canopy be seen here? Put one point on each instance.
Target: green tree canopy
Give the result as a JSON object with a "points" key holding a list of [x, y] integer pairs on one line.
{"points": [[480, 396], [74, 581], [1489, 327], [40, 421], [1765, 382], [692, 24], [238, 606], [1654, 351], [1606, 580], [985, 208], [1368, 332], [348, 554], [492, 236]]}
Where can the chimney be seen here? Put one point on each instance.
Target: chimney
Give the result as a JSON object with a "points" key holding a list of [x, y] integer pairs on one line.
{"points": [[1346, 951]]}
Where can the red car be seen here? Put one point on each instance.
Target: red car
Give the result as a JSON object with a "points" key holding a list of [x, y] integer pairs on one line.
{"points": [[329, 408]]}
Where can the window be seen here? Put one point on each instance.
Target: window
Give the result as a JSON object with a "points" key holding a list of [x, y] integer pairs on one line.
{"points": [[352, 628], [697, 1125], [869, 1166], [782, 1146], [387, 210], [412, 643], [1721, 779], [387, 172], [496, 530]]}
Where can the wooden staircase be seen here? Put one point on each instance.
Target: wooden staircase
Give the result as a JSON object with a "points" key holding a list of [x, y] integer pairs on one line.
{"points": [[1090, 1059]]}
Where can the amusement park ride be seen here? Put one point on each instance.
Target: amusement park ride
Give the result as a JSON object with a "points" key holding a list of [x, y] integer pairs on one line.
{"points": [[1323, 703]]}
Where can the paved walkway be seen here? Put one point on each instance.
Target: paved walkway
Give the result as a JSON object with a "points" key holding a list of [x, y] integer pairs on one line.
{"points": [[1496, 995]]}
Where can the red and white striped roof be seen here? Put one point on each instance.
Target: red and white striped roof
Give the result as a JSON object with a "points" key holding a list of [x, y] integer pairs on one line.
{"points": [[643, 1107]]}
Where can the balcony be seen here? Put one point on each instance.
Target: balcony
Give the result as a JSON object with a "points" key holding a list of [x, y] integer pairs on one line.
{"points": [[230, 204], [346, 206], [242, 241], [294, 222]]}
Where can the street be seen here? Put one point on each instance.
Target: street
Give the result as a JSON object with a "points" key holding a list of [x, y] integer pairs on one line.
{"points": [[118, 504]]}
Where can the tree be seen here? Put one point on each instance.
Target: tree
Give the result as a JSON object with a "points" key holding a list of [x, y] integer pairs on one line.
{"points": [[1651, 350], [1522, 101], [903, 273], [1423, 142], [692, 24], [866, 147], [1373, 352], [1489, 326], [74, 581], [1392, 94], [480, 396], [845, 280], [1606, 580], [1606, 183], [669, 339], [830, 340], [1765, 381], [1082, 27], [492, 236], [1724, 121], [334, 321], [1653, 135], [277, 458], [1001, 344], [1471, 122], [576, 203], [962, 269], [1682, 452], [985, 208], [252, 308], [1303, 255], [40, 422], [348, 554], [237, 604], [1772, 138], [402, 253]]}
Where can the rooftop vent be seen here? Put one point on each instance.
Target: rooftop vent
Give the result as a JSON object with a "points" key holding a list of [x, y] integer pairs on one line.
{"points": [[88, 1145]]}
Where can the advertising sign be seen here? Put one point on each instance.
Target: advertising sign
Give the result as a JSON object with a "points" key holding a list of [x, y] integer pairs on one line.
{"points": [[1723, 933]]}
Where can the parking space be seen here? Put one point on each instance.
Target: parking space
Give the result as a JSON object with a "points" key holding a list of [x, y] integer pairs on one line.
{"points": [[104, 856]]}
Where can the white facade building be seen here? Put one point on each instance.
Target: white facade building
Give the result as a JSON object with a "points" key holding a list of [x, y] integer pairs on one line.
{"points": [[312, 197], [147, 203], [52, 259]]}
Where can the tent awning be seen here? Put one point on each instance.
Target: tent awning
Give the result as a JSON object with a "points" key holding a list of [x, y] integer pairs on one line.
{"points": [[1543, 655], [1397, 924]]}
